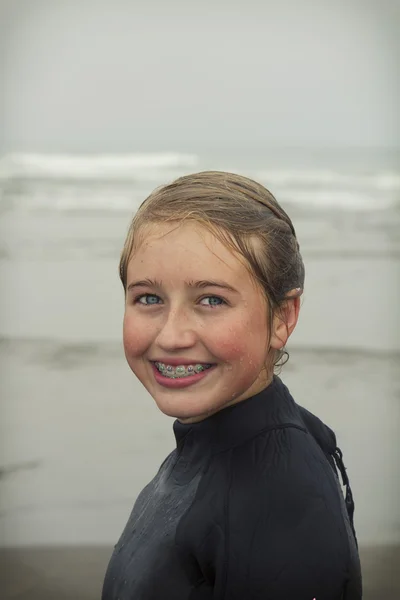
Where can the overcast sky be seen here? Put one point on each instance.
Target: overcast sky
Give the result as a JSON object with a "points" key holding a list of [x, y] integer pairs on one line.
{"points": [[118, 76]]}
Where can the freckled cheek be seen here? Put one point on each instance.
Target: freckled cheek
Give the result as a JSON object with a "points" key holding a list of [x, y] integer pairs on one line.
{"points": [[228, 348], [136, 337], [243, 352], [231, 345], [243, 341]]}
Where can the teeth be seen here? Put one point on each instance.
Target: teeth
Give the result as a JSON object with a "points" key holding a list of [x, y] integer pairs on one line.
{"points": [[181, 370]]}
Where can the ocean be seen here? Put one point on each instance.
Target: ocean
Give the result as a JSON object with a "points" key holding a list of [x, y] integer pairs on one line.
{"points": [[79, 435]]}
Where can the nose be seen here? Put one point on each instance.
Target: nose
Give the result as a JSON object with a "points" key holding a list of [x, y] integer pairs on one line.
{"points": [[177, 332]]}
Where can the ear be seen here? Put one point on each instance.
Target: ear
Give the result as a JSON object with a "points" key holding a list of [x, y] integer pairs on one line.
{"points": [[285, 319]]}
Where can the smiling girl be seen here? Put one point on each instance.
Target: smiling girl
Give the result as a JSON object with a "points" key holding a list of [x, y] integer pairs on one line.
{"points": [[248, 506]]}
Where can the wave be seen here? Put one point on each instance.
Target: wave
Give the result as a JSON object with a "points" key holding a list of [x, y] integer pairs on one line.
{"points": [[95, 167], [72, 198], [113, 198], [337, 200], [111, 182], [147, 166], [385, 181]]}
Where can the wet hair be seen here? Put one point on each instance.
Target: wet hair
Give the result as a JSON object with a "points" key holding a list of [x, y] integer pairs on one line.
{"points": [[245, 217]]}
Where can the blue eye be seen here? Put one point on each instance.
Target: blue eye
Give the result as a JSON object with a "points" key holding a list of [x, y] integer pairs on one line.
{"points": [[153, 299], [214, 301]]}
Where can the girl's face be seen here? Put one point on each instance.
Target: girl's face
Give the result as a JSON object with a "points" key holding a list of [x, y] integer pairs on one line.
{"points": [[191, 303]]}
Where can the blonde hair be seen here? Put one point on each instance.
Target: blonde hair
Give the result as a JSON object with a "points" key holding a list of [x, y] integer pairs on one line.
{"points": [[238, 211]]}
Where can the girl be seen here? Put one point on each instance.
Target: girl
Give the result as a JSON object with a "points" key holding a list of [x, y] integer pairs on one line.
{"points": [[248, 506]]}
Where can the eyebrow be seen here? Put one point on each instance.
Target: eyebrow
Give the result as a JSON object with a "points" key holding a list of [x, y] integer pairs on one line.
{"points": [[204, 283]]}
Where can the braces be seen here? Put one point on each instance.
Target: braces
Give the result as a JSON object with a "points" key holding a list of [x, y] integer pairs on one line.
{"points": [[180, 371]]}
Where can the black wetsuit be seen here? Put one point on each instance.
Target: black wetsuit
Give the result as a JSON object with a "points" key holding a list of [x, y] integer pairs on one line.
{"points": [[247, 507]]}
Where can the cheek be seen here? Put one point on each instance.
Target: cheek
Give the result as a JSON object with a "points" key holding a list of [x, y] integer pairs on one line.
{"points": [[245, 340], [230, 347], [135, 337], [244, 351]]}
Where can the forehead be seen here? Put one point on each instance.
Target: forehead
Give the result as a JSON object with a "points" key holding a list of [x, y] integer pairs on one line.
{"points": [[187, 246]]}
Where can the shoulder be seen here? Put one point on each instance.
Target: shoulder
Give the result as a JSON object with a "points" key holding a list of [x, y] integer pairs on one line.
{"points": [[283, 453], [282, 461], [284, 473], [278, 530]]}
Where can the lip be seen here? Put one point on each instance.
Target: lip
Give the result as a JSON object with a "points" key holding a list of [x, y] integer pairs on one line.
{"points": [[179, 383], [176, 362]]}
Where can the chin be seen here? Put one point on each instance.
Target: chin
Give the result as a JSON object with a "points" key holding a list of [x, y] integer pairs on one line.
{"points": [[185, 414]]}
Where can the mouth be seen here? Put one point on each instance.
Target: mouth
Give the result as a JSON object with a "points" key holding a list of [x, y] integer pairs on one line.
{"points": [[181, 371]]}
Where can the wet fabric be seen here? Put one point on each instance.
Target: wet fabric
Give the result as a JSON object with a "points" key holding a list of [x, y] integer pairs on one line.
{"points": [[247, 507]]}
